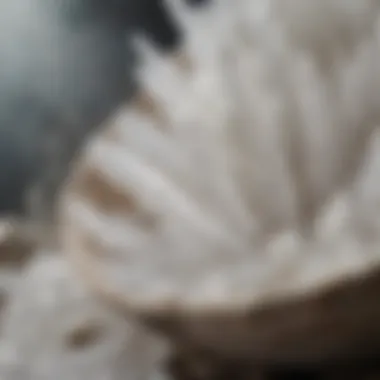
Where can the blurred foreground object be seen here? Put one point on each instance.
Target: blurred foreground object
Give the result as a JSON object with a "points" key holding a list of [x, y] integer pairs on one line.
{"points": [[242, 219], [52, 329]]}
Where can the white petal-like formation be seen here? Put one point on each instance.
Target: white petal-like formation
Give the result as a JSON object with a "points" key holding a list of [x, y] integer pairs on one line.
{"points": [[258, 175]]}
